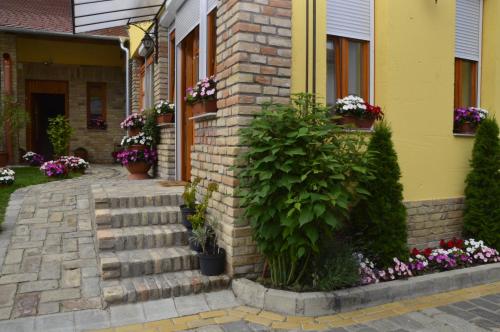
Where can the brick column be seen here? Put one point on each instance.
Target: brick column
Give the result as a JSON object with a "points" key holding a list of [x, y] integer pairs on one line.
{"points": [[253, 66], [135, 84], [166, 152], [160, 79]]}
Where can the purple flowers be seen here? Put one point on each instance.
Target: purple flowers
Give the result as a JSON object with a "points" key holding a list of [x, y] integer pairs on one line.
{"points": [[55, 168], [473, 115], [131, 156], [74, 163], [34, 159]]}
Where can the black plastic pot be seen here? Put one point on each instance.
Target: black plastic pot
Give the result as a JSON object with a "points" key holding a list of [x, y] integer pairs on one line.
{"points": [[186, 212], [213, 265]]}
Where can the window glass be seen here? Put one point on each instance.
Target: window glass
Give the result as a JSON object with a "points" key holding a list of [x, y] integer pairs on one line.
{"points": [[331, 80], [466, 83], [355, 70], [96, 105]]}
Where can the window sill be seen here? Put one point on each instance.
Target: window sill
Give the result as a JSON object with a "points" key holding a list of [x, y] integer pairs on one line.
{"points": [[166, 125], [204, 117], [359, 130], [97, 129], [463, 135]]}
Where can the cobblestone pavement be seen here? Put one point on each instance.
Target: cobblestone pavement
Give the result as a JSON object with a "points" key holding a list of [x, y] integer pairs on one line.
{"points": [[47, 256], [470, 309]]}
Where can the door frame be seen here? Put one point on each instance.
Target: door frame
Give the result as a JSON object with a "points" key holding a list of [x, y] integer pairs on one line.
{"points": [[47, 87]]}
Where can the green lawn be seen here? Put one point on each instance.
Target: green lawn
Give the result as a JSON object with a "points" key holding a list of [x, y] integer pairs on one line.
{"points": [[25, 176]]}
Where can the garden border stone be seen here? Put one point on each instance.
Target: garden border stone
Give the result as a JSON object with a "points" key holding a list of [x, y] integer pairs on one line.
{"points": [[325, 303]]}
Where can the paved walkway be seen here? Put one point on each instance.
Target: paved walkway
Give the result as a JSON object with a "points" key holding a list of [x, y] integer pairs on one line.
{"points": [[47, 256]]}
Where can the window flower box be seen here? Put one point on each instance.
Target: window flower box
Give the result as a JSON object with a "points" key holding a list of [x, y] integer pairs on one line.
{"points": [[354, 111], [133, 123], [202, 97], [164, 112], [467, 119]]}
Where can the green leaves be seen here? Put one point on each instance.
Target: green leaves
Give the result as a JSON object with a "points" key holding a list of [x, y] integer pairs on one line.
{"points": [[59, 132]]}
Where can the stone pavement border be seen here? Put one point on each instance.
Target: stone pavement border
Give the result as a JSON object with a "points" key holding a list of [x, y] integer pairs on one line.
{"points": [[326, 303], [399, 313]]}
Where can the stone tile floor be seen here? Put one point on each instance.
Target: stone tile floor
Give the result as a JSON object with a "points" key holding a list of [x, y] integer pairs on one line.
{"points": [[47, 255]]}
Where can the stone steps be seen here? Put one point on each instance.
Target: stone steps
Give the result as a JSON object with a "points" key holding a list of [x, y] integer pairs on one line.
{"points": [[134, 263], [142, 237], [137, 200], [156, 286], [129, 217]]}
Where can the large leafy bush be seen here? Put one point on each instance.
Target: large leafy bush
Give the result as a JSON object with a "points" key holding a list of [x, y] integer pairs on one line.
{"points": [[482, 192], [59, 132], [299, 179], [378, 224]]}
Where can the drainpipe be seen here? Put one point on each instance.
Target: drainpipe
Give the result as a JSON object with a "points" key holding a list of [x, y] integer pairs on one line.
{"points": [[127, 77]]}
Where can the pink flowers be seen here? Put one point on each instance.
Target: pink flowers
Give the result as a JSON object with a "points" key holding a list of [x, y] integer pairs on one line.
{"points": [[130, 156], [54, 168], [206, 89], [134, 120]]}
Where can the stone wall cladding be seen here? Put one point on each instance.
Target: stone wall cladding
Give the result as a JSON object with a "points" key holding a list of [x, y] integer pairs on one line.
{"points": [[99, 143], [135, 84], [433, 220], [166, 152], [253, 66], [160, 80]]}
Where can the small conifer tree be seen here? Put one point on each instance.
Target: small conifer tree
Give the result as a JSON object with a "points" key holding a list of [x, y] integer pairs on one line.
{"points": [[482, 191], [378, 224]]}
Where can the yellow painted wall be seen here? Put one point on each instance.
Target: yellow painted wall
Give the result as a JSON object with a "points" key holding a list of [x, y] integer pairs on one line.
{"points": [[414, 84], [67, 52], [136, 35]]}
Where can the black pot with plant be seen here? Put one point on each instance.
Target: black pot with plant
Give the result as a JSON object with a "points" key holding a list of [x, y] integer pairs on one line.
{"points": [[197, 220], [189, 207], [212, 257]]}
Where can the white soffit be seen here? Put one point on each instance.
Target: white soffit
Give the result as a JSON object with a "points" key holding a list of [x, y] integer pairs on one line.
{"points": [[90, 15]]}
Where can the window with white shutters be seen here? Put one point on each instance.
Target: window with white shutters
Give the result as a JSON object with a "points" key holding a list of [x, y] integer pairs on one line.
{"points": [[187, 18]]}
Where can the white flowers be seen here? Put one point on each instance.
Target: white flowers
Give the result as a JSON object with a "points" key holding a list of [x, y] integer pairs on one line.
{"points": [[164, 107], [350, 103], [7, 176], [140, 139]]}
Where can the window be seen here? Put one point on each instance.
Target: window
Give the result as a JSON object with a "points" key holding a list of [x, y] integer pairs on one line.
{"points": [[465, 83], [171, 67], [96, 106], [146, 73], [211, 42], [347, 68]]}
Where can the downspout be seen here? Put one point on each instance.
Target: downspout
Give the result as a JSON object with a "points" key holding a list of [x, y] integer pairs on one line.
{"points": [[127, 77]]}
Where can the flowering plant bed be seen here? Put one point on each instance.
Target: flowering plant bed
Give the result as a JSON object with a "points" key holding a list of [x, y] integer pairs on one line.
{"points": [[33, 158], [7, 176], [134, 120], [467, 119], [140, 139], [73, 163], [54, 169], [131, 156], [354, 110]]}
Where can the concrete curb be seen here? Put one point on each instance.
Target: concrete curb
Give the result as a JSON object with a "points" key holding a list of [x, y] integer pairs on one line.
{"points": [[325, 303]]}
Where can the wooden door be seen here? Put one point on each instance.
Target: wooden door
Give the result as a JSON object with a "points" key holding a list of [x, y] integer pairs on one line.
{"points": [[189, 78]]}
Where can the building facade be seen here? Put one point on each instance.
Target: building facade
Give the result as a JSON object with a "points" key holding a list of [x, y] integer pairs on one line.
{"points": [[418, 60]]}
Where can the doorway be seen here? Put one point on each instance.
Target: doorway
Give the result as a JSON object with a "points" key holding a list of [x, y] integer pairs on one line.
{"points": [[189, 77], [45, 100]]}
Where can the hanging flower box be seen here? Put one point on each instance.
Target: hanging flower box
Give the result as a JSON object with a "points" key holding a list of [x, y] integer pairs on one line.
{"points": [[466, 120], [164, 112], [355, 112], [203, 97]]}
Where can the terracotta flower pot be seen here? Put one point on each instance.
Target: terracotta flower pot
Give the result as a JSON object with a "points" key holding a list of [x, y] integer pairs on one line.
{"points": [[347, 120], [364, 123], [165, 118], [465, 128], [139, 147], [198, 109], [133, 131], [138, 170], [4, 158], [210, 106]]}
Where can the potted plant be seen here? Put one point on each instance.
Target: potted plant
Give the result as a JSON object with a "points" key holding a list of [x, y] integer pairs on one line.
{"points": [[59, 132], [193, 99], [32, 158], [355, 111], [137, 162], [467, 119], [7, 177], [203, 97], [74, 164], [133, 123], [164, 112], [138, 142], [54, 169], [13, 118], [189, 206], [197, 220], [212, 257]]}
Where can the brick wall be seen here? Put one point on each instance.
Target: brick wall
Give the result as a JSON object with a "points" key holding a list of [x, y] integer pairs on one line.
{"points": [[135, 84], [99, 143], [253, 66], [160, 85], [166, 152], [433, 220]]}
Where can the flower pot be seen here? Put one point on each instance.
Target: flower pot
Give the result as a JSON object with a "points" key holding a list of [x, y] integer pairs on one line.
{"points": [[347, 120], [364, 123], [197, 108], [133, 131], [210, 106], [212, 265], [4, 158], [139, 147], [165, 118], [186, 212], [192, 244], [138, 170], [465, 128]]}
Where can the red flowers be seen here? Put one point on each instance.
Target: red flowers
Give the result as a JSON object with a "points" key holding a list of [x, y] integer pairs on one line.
{"points": [[425, 252], [457, 243], [374, 112]]}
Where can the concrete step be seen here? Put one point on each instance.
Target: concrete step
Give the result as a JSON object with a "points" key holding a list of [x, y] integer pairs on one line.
{"points": [[156, 286], [138, 216], [142, 237], [137, 199], [135, 263]]}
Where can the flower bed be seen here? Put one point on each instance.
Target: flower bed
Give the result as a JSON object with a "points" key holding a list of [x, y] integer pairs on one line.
{"points": [[452, 254], [54, 169], [7, 176], [73, 163], [33, 158]]}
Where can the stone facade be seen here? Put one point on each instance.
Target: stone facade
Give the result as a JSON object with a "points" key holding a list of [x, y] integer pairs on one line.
{"points": [[166, 152], [135, 84], [253, 66], [160, 79], [433, 220]]}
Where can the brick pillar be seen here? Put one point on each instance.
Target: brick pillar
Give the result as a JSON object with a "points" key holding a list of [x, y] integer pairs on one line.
{"points": [[135, 84], [166, 152], [253, 66], [160, 80]]}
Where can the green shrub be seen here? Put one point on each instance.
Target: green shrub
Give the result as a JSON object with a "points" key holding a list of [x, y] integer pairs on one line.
{"points": [[378, 224], [298, 180], [482, 191], [59, 132], [150, 127], [189, 194], [198, 219]]}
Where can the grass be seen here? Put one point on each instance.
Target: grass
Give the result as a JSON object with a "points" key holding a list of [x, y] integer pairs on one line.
{"points": [[25, 176]]}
